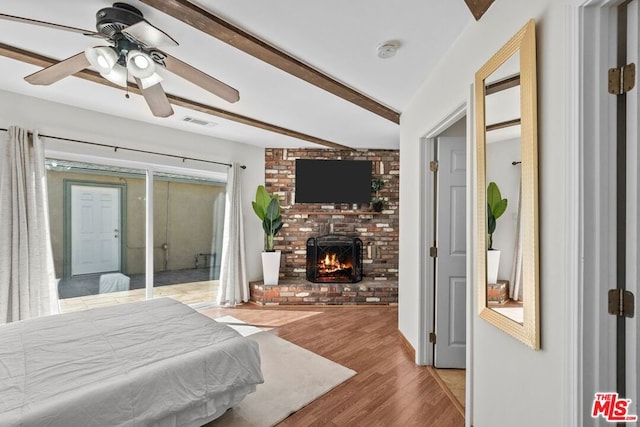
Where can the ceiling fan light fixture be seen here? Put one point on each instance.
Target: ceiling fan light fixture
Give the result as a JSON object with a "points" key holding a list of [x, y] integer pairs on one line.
{"points": [[102, 58], [117, 75], [140, 64]]}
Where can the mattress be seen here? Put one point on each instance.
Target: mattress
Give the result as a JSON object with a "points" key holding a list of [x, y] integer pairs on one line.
{"points": [[149, 363]]}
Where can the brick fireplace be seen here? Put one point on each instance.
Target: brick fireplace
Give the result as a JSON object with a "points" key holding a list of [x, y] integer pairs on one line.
{"points": [[377, 231]]}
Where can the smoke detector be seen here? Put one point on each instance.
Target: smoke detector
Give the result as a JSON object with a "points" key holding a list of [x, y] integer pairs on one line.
{"points": [[388, 49]]}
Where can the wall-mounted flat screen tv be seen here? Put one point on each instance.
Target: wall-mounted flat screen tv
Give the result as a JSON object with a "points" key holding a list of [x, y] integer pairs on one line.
{"points": [[333, 181]]}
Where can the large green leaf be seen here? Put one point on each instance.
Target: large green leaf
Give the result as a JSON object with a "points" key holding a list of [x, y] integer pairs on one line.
{"points": [[493, 195], [277, 225], [273, 209], [491, 221], [266, 226], [496, 206], [499, 208], [263, 198], [258, 210], [272, 227]]}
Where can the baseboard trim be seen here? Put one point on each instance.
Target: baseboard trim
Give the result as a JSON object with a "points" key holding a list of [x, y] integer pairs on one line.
{"points": [[407, 346]]}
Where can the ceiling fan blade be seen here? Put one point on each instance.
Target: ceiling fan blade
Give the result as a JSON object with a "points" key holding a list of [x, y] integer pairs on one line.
{"points": [[201, 79], [149, 35], [59, 71], [52, 25], [156, 99]]}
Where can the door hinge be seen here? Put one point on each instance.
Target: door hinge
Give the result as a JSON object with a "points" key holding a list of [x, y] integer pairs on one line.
{"points": [[622, 79], [621, 303], [432, 337], [433, 166], [433, 252]]}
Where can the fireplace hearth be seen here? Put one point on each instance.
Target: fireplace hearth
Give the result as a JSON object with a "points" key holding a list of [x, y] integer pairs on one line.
{"points": [[334, 258]]}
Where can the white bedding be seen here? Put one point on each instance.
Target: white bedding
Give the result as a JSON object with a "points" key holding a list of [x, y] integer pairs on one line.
{"points": [[150, 363]]}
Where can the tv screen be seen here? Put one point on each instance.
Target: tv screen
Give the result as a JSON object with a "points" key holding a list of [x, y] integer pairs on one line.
{"points": [[333, 181]]}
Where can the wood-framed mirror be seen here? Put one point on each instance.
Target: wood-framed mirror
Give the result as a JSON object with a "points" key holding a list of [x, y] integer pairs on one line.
{"points": [[507, 169]]}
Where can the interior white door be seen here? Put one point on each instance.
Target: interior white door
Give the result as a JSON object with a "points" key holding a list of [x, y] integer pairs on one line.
{"points": [[633, 209], [95, 229], [451, 235]]}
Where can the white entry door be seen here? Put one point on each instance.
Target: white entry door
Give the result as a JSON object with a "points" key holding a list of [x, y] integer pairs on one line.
{"points": [[95, 229], [451, 235]]}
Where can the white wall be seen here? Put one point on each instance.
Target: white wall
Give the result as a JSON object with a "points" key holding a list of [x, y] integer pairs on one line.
{"points": [[512, 384], [70, 122]]}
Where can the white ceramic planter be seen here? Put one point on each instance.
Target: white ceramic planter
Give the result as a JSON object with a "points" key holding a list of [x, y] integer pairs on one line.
{"points": [[271, 267], [493, 263]]}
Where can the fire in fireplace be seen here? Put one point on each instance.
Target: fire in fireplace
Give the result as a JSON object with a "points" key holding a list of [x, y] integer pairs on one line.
{"points": [[334, 258]]}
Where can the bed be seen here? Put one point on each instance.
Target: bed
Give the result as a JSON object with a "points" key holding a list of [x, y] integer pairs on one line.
{"points": [[149, 363]]}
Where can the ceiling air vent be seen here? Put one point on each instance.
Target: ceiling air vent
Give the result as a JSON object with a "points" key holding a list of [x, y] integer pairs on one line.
{"points": [[198, 121]]}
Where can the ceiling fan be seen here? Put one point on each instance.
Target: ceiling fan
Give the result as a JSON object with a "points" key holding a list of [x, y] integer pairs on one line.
{"points": [[132, 53]]}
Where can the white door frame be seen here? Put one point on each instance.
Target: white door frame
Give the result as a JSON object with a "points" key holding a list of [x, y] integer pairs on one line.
{"points": [[67, 226], [426, 309], [589, 174], [633, 208]]}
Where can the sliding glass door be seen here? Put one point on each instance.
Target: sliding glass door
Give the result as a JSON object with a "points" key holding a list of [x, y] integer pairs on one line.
{"points": [[95, 213], [187, 224], [102, 252]]}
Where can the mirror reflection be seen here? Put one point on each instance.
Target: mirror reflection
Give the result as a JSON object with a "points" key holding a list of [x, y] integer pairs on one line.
{"points": [[503, 178], [507, 189]]}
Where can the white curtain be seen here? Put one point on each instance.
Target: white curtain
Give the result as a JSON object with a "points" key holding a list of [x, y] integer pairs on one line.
{"points": [[515, 290], [27, 277], [218, 230], [234, 287]]}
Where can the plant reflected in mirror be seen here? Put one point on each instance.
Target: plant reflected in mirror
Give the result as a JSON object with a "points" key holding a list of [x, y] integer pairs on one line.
{"points": [[496, 206]]}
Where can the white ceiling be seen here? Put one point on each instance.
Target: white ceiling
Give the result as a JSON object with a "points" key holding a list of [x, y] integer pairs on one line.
{"points": [[335, 36]]}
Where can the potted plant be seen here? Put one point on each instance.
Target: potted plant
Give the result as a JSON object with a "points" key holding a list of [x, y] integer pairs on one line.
{"points": [[377, 203], [267, 208], [496, 206]]}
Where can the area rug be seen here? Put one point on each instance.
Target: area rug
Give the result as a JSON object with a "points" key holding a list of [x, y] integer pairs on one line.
{"points": [[293, 378], [240, 326]]}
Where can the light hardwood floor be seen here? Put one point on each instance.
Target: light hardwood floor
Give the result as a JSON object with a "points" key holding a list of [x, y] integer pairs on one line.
{"points": [[454, 381], [187, 293], [388, 389]]}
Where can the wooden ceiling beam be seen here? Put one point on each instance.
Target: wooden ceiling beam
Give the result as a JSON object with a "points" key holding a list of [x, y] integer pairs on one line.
{"points": [[43, 61], [478, 7], [217, 27], [504, 84]]}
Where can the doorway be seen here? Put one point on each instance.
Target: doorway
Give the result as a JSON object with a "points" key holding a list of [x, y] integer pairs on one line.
{"points": [[449, 257], [609, 208], [95, 229], [446, 298]]}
